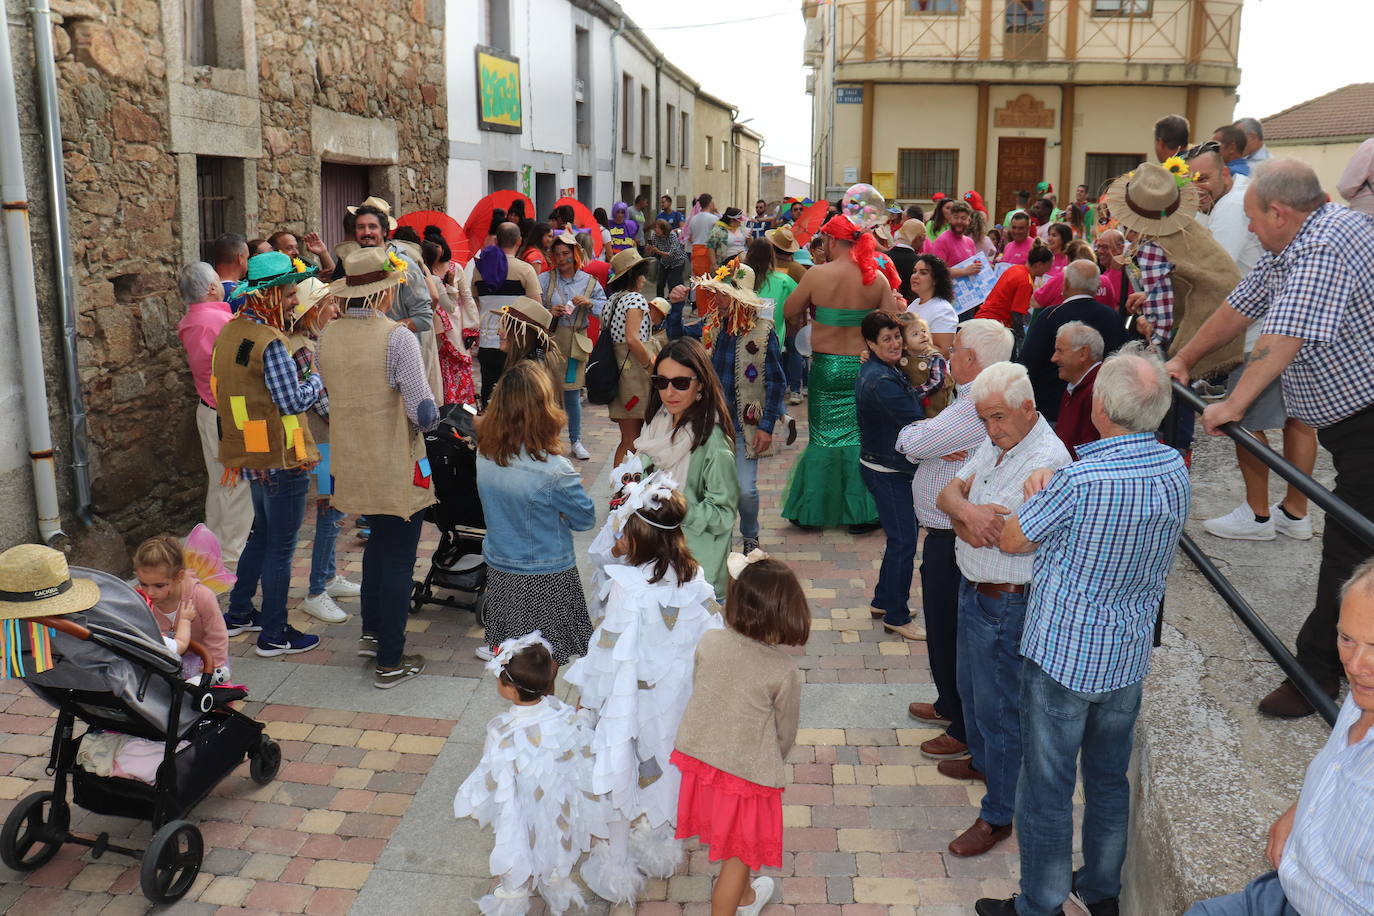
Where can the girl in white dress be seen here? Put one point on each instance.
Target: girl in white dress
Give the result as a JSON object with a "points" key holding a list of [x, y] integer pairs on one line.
{"points": [[637, 678], [533, 785]]}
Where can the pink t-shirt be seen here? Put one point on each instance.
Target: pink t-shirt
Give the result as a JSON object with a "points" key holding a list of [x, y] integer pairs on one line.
{"points": [[1016, 252], [951, 248], [198, 329]]}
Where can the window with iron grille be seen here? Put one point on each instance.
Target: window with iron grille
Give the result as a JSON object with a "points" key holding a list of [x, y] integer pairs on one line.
{"points": [[1142, 8], [947, 7], [670, 123], [645, 121], [686, 137], [213, 195], [627, 85], [922, 172], [1103, 168]]}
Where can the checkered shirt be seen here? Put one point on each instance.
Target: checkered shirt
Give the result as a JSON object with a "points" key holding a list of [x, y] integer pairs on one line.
{"points": [[1158, 309], [1320, 289], [925, 442], [291, 391], [1107, 526]]}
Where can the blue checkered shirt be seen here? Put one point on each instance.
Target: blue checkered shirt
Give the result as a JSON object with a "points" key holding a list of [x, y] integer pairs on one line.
{"points": [[1108, 526], [1320, 289], [292, 390]]}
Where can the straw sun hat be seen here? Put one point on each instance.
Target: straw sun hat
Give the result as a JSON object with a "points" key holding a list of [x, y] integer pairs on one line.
{"points": [[368, 271], [35, 582], [1150, 201]]}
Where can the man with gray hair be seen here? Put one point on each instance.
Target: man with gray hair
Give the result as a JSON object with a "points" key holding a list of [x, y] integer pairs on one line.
{"points": [[1081, 282], [1078, 354], [1314, 289], [1255, 150], [1104, 531], [992, 595], [228, 509], [940, 446]]}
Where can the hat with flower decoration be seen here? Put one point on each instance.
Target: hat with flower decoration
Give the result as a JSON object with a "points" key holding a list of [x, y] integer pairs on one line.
{"points": [[1154, 200], [368, 271], [269, 269]]}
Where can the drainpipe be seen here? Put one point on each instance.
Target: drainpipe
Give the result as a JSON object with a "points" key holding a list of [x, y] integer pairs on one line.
{"points": [[62, 251], [616, 102], [658, 133], [16, 218]]}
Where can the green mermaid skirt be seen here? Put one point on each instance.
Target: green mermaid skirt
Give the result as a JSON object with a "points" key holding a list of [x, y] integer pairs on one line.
{"points": [[825, 489]]}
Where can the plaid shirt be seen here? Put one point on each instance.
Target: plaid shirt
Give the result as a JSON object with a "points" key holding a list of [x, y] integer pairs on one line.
{"points": [[774, 380], [926, 442], [1155, 269], [1320, 289], [1107, 526], [292, 391]]}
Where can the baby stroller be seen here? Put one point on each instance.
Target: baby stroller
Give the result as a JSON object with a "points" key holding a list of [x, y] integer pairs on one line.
{"points": [[457, 564], [112, 671]]}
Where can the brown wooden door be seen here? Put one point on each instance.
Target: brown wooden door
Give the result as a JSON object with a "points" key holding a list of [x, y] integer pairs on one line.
{"points": [[341, 186], [1020, 165]]}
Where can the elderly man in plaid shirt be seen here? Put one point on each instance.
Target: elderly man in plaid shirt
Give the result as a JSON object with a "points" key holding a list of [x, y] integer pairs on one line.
{"points": [[1104, 531], [1314, 289]]}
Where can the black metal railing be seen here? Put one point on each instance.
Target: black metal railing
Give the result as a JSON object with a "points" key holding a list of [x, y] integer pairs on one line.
{"points": [[1336, 510]]}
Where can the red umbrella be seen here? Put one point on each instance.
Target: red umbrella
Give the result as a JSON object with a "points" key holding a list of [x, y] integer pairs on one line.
{"points": [[809, 223], [478, 223], [583, 219], [453, 233]]}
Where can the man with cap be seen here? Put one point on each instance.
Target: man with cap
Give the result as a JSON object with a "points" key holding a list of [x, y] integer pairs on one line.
{"points": [[380, 403], [261, 398]]}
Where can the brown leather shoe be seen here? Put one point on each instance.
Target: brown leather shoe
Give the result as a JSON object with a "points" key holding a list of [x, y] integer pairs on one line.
{"points": [[926, 713], [943, 747], [979, 838], [1285, 702], [960, 769]]}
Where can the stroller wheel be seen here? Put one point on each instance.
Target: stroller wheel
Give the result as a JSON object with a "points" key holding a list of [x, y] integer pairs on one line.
{"points": [[418, 596], [479, 608], [34, 831], [172, 862], [263, 764]]}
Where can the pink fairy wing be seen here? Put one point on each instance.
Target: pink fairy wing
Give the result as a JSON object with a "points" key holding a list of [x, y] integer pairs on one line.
{"points": [[204, 559]]}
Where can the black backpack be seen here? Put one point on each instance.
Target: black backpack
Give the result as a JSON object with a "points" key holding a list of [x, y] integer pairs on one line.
{"points": [[603, 373]]}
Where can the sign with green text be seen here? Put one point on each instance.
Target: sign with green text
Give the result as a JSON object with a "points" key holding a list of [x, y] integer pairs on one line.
{"points": [[498, 91]]}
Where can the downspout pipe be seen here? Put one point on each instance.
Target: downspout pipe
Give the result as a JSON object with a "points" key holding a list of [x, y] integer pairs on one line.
{"points": [[14, 193], [51, 118], [616, 102]]}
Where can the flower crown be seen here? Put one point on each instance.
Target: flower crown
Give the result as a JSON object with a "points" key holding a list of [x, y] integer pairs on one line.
{"points": [[513, 647]]}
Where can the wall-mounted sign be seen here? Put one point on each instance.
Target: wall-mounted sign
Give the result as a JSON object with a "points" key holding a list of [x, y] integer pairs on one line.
{"points": [[851, 174], [527, 180], [568, 192], [849, 95], [498, 91]]}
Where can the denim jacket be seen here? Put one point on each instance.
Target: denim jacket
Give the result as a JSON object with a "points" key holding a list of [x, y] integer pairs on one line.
{"points": [[886, 403], [532, 508]]}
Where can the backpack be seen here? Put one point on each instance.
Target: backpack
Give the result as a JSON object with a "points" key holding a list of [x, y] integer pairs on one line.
{"points": [[603, 374]]}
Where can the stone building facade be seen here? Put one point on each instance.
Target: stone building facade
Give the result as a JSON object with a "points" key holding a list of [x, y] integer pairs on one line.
{"points": [[182, 119]]}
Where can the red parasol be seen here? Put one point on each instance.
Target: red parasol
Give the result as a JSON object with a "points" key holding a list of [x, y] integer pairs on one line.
{"points": [[583, 219], [809, 222], [478, 223], [453, 233]]}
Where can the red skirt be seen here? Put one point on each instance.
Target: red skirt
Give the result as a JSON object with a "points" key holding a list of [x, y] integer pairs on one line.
{"points": [[733, 817]]}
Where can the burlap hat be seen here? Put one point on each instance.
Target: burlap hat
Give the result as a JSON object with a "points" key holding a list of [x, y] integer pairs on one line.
{"points": [[35, 582], [1149, 201], [309, 294], [380, 205], [368, 271], [782, 239], [737, 282], [911, 231], [530, 311]]}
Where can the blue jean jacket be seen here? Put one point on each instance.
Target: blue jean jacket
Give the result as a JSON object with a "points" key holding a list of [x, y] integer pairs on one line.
{"points": [[532, 508], [886, 403]]}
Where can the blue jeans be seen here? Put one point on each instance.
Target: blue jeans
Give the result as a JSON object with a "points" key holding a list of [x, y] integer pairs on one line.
{"points": [[278, 509], [792, 364], [747, 470], [572, 406], [897, 514], [989, 681], [1261, 897], [1056, 724], [940, 598], [327, 520], [388, 564]]}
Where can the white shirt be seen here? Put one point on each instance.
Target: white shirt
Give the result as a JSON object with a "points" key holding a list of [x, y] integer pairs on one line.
{"points": [[938, 313], [699, 227], [998, 477], [1231, 228]]}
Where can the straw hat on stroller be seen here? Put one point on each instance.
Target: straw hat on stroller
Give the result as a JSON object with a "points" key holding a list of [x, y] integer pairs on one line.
{"points": [[35, 582]]}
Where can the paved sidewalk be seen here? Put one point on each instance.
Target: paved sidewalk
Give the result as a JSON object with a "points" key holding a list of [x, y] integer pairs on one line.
{"points": [[360, 817]]}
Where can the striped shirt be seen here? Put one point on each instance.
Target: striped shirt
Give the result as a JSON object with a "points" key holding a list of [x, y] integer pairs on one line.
{"points": [[1107, 526], [926, 442], [1320, 289], [1328, 863]]}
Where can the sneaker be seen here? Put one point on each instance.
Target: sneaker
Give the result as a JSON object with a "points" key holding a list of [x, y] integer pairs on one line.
{"points": [[233, 626], [367, 646], [794, 398], [410, 666], [485, 653], [339, 587], [750, 545], [1299, 529], [293, 642], [1239, 525], [1109, 907], [322, 607], [580, 451], [791, 424], [763, 892]]}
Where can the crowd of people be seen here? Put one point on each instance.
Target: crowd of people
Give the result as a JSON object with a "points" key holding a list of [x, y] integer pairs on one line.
{"points": [[1017, 426]]}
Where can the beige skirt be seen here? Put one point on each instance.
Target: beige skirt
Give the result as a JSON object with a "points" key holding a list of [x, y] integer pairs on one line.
{"points": [[633, 395]]}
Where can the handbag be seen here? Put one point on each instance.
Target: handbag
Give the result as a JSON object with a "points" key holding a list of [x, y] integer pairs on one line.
{"points": [[603, 374]]}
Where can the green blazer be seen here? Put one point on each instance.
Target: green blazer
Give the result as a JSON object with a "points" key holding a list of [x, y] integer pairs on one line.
{"points": [[712, 493]]}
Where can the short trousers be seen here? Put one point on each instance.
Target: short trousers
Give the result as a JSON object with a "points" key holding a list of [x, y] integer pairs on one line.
{"points": [[1268, 411]]}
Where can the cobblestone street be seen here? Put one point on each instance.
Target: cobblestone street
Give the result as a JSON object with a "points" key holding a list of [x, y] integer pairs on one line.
{"points": [[360, 815]]}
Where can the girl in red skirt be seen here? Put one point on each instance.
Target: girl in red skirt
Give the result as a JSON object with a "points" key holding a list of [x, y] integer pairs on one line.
{"points": [[735, 735]]}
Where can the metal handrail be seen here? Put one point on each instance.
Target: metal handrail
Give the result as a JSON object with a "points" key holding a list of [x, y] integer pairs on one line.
{"points": [[1337, 510]]}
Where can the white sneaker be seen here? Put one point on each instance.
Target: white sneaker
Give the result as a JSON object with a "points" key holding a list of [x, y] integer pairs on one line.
{"points": [[485, 653], [763, 892], [322, 607], [339, 587], [1298, 530], [580, 451], [1239, 525]]}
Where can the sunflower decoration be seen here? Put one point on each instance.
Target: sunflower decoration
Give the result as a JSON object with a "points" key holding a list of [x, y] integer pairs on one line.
{"points": [[1175, 166], [394, 263], [299, 265]]}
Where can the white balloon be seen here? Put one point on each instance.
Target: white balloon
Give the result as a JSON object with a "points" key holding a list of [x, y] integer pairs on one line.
{"points": [[803, 341]]}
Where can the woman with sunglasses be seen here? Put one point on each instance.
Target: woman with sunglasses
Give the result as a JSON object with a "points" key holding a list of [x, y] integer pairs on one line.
{"points": [[689, 434]]}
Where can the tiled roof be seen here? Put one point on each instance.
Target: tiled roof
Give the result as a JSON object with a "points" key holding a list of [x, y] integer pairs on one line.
{"points": [[1348, 111]]}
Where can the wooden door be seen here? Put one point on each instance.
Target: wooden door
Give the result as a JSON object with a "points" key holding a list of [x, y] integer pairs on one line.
{"points": [[1020, 165], [341, 186]]}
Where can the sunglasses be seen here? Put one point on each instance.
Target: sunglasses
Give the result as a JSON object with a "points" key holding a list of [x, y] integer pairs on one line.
{"points": [[680, 382]]}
